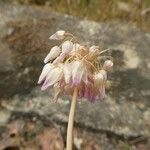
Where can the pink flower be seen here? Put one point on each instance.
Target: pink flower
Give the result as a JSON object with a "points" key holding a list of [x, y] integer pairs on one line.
{"points": [[74, 65], [59, 35]]}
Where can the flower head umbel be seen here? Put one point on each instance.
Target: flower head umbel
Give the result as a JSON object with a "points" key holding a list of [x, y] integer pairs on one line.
{"points": [[73, 65]]}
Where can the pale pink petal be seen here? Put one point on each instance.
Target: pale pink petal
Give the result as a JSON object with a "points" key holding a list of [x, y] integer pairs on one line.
{"points": [[46, 69], [62, 84], [59, 35], [62, 56], [108, 64], [104, 73], [67, 72], [78, 71], [57, 91], [86, 92], [67, 47], [54, 52], [53, 77]]}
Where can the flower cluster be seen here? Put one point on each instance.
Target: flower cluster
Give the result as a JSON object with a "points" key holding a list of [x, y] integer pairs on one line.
{"points": [[72, 65]]}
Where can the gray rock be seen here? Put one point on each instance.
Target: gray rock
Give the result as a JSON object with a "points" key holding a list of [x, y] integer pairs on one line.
{"points": [[123, 119], [24, 43]]}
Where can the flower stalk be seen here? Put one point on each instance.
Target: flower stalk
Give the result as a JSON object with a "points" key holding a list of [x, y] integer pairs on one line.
{"points": [[77, 70], [71, 120]]}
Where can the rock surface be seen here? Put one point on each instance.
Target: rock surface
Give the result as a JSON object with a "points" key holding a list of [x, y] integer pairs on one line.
{"points": [[23, 45]]}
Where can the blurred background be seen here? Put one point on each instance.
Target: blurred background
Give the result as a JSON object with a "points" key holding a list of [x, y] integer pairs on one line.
{"points": [[29, 120]]}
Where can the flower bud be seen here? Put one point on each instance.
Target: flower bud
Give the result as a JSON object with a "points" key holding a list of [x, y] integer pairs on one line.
{"points": [[108, 64], [54, 52], [78, 71], [67, 72], [59, 35], [67, 47], [93, 52], [52, 77], [46, 69]]}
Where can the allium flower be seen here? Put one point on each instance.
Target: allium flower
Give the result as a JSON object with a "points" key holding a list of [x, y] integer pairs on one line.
{"points": [[74, 65], [74, 69]]}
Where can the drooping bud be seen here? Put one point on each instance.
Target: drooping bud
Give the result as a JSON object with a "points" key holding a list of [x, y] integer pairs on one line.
{"points": [[78, 71], [67, 47], [54, 52], [108, 64], [46, 69], [59, 35], [67, 72], [93, 52], [52, 77]]}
